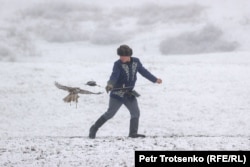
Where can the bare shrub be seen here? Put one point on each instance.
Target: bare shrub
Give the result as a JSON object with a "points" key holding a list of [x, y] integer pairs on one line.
{"points": [[105, 36], [209, 39], [16, 43]]}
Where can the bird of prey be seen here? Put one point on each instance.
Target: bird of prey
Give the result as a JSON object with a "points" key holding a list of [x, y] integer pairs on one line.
{"points": [[73, 93]]}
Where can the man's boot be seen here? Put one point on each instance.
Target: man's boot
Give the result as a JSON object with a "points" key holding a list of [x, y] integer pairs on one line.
{"points": [[133, 129], [94, 128]]}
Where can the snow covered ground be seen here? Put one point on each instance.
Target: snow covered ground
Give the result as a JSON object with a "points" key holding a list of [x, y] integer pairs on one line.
{"points": [[199, 49]]}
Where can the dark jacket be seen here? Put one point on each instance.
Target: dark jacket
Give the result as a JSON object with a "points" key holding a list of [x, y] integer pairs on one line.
{"points": [[124, 75]]}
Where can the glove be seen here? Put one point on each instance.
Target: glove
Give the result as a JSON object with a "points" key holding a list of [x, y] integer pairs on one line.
{"points": [[108, 88]]}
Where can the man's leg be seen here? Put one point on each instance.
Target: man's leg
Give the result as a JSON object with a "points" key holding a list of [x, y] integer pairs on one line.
{"points": [[93, 129], [114, 106], [134, 110]]}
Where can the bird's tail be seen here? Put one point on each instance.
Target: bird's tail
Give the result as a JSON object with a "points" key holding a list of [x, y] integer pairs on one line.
{"points": [[71, 97]]}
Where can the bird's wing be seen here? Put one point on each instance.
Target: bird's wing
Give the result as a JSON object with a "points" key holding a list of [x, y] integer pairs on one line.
{"points": [[74, 89], [85, 92], [67, 88]]}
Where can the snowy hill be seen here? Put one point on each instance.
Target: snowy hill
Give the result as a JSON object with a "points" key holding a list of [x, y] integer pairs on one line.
{"points": [[199, 49]]}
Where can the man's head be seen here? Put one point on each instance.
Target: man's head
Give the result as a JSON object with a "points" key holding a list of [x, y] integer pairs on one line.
{"points": [[125, 52]]}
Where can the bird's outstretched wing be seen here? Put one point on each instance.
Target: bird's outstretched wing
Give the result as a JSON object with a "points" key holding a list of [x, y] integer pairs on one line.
{"points": [[67, 88], [74, 89], [87, 92]]}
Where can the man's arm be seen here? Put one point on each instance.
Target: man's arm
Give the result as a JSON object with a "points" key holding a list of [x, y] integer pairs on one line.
{"points": [[145, 73], [113, 78], [115, 74]]}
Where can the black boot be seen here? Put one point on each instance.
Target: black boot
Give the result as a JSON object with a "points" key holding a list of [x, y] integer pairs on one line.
{"points": [[93, 129], [133, 129]]}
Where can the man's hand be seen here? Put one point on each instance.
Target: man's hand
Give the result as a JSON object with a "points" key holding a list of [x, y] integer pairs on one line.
{"points": [[109, 87], [159, 81]]}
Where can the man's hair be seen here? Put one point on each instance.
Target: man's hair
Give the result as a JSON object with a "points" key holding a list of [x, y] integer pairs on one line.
{"points": [[124, 50]]}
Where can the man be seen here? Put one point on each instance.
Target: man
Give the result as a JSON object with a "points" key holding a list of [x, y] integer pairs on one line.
{"points": [[121, 84]]}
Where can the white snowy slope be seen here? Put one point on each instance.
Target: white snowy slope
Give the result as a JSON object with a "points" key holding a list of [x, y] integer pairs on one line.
{"points": [[200, 50]]}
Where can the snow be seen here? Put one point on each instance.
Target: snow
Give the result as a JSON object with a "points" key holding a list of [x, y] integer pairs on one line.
{"points": [[203, 103]]}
